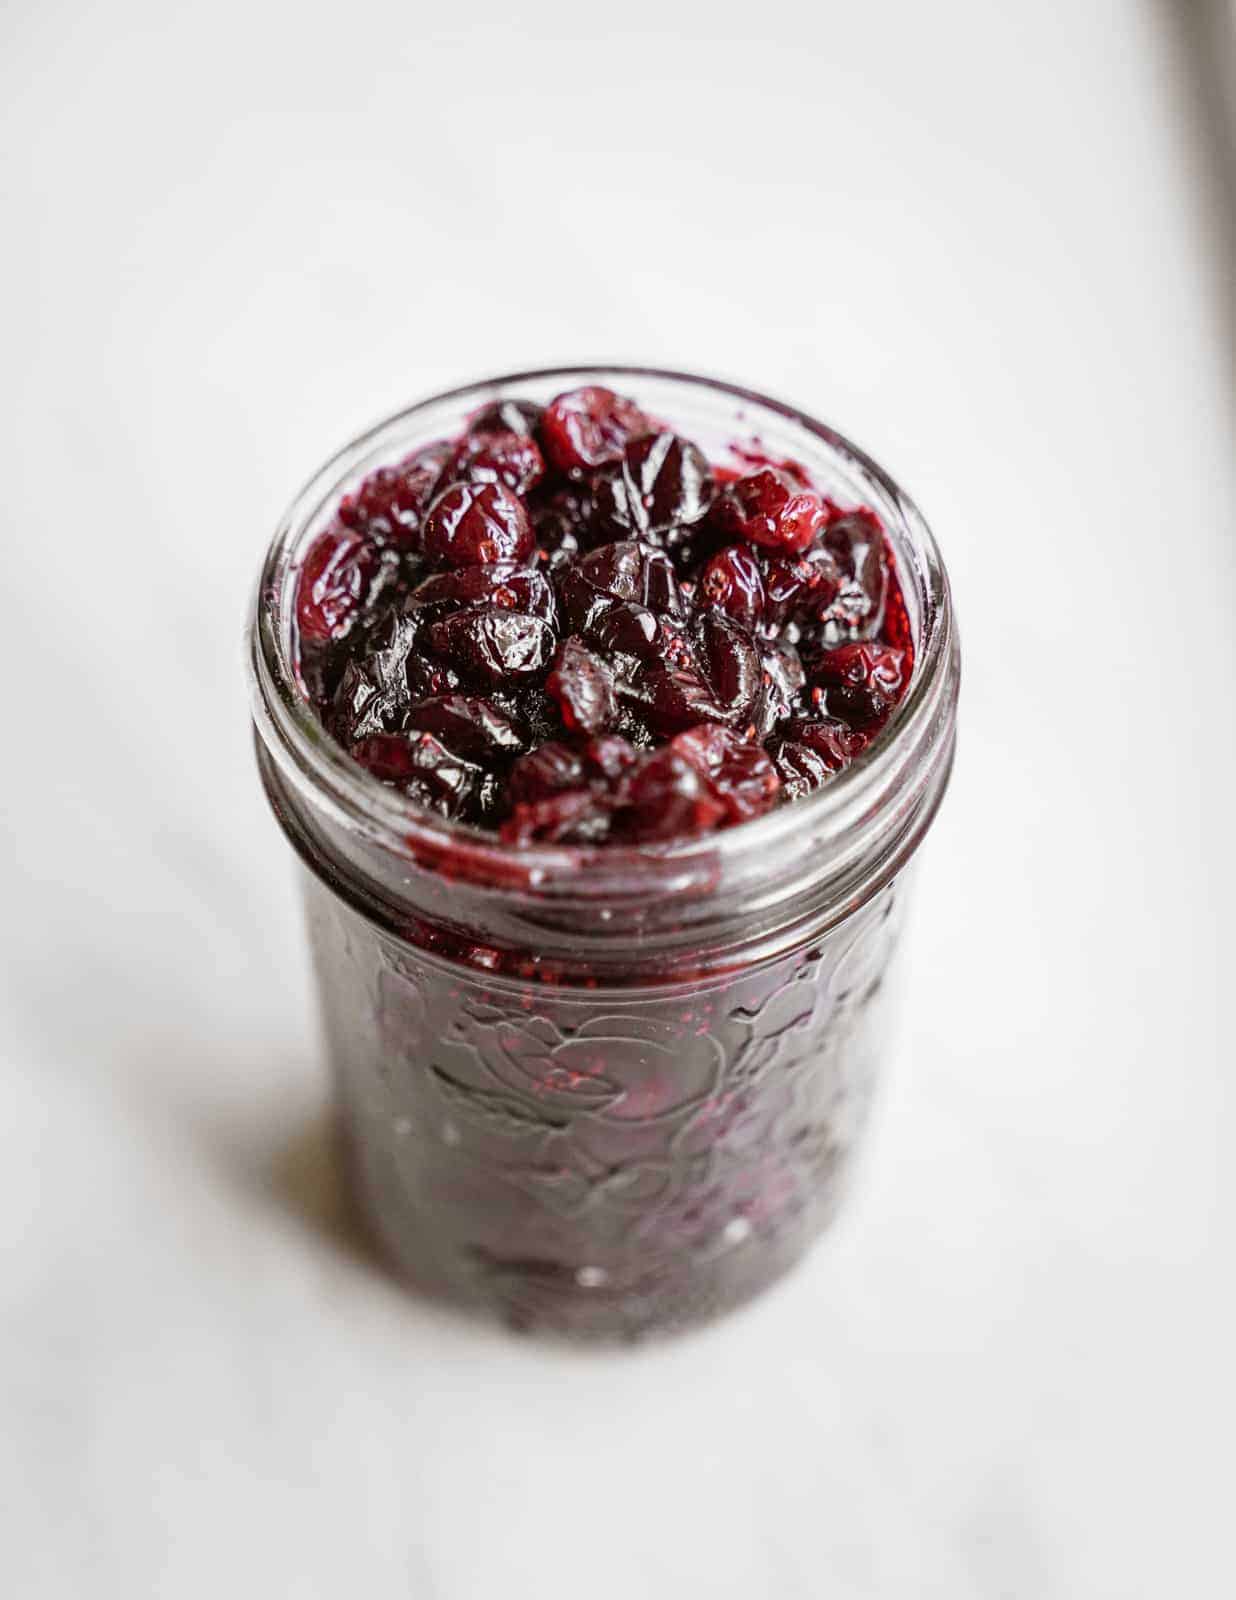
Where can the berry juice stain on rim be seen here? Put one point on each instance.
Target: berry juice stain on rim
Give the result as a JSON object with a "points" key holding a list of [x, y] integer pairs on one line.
{"points": [[606, 708]]}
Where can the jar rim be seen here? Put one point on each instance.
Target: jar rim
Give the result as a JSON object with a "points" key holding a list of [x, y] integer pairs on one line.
{"points": [[298, 742]]}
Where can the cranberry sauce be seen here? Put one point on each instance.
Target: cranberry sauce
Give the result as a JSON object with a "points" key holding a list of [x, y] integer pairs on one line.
{"points": [[567, 625]]}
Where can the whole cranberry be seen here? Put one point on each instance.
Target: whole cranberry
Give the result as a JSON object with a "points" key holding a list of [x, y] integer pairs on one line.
{"points": [[475, 523], [856, 542], [766, 507], [493, 645], [498, 583], [863, 682], [390, 504], [335, 583], [739, 773], [587, 427], [507, 416], [583, 686], [511, 459], [732, 580], [667, 797], [662, 482]]}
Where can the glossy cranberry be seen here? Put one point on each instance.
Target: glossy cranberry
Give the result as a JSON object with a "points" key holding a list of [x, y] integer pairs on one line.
{"points": [[766, 507], [863, 682], [335, 583], [583, 686], [857, 611], [674, 698], [476, 523], [379, 681], [588, 427], [662, 482], [629, 570], [492, 644], [508, 416], [550, 769], [499, 583], [620, 642], [783, 680], [798, 587], [668, 797], [423, 768], [811, 752], [740, 776], [733, 664], [511, 459], [576, 816], [391, 502], [733, 582], [470, 726]]}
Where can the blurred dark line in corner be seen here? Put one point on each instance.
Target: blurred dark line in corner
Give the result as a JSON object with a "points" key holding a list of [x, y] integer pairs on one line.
{"points": [[1203, 33]]}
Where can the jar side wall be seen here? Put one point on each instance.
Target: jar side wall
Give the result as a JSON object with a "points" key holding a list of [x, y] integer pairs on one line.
{"points": [[601, 1163]]}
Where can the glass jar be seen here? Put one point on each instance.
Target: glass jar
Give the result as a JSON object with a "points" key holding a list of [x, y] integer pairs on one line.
{"points": [[606, 1090]]}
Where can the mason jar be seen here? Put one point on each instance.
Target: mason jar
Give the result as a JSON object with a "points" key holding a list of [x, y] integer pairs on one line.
{"points": [[606, 1090]]}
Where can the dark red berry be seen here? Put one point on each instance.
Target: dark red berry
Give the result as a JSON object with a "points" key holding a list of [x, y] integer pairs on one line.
{"points": [[739, 774], [811, 752], [732, 581], [674, 698], [474, 523], [422, 767], [798, 587], [863, 682], [856, 543], [667, 797], [550, 769], [625, 571], [589, 426], [583, 686], [766, 507], [334, 584], [379, 683], [511, 459], [493, 645], [499, 583], [507, 416], [390, 504], [662, 482], [467, 725], [783, 679], [733, 664], [576, 816]]}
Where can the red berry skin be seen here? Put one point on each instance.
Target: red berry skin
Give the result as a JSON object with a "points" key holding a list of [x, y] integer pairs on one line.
{"points": [[583, 686], [472, 524], [768, 508], [739, 773], [391, 503], [335, 582], [499, 583], [862, 682], [733, 582], [587, 427], [667, 797], [493, 645], [505, 457]]}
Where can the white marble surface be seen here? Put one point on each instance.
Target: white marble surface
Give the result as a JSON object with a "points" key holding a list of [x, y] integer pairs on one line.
{"points": [[993, 243]]}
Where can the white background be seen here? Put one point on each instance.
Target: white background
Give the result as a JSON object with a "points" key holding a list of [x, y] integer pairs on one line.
{"points": [[992, 242]]}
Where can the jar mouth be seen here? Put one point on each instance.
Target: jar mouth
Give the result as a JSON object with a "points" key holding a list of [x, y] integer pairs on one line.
{"points": [[306, 754]]}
